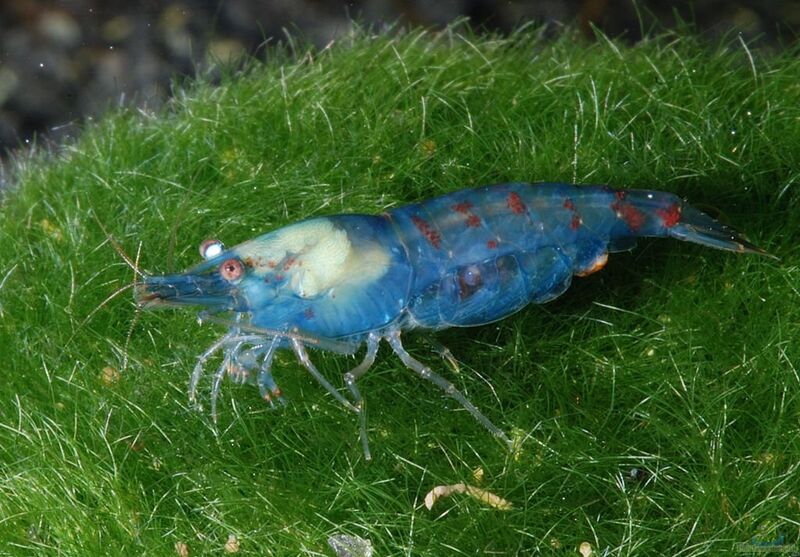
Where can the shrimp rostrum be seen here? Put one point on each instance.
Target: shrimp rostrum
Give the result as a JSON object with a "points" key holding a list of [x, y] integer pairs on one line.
{"points": [[463, 259]]}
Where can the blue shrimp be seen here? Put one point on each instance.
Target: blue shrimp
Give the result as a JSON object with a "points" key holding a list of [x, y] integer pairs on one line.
{"points": [[467, 258]]}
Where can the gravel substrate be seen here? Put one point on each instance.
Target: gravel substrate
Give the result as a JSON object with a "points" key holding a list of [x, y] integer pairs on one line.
{"points": [[63, 61]]}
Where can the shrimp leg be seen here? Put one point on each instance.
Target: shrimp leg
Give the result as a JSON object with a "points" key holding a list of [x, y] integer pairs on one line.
{"points": [[231, 337], [266, 383], [302, 356], [350, 380], [217, 381], [428, 374]]}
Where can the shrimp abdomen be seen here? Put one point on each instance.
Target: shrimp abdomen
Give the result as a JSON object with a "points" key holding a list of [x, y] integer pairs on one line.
{"points": [[482, 254]]}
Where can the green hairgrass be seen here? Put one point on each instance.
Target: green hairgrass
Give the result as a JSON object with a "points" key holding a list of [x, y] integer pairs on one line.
{"points": [[659, 400]]}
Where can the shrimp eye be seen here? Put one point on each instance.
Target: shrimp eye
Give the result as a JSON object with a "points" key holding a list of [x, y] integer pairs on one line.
{"points": [[211, 248], [231, 270]]}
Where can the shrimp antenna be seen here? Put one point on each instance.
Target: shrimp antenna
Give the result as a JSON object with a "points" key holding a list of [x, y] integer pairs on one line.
{"points": [[134, 265], [99, 307], [136, 314]]}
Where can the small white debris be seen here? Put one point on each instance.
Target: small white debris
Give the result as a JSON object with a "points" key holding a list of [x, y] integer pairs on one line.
{"points": [[350, 546], [110, 376], [232, 545], [475, 492], [181, 549]]}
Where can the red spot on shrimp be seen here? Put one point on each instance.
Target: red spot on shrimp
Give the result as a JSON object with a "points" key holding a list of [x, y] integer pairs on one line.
{"points": [[309, 313], [491, 244], [515, 203], [464, 208], [430, 234], [671, 215], [576, 221], [620, 194], [289, 263], [632, 216], [568, 204]]}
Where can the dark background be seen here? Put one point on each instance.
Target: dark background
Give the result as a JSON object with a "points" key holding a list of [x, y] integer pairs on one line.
{"points": [[63, 61]]}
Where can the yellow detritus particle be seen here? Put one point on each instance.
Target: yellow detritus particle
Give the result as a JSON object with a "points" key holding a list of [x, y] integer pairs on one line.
{"points": [[481, 495], [110, 376], [232, 545], [181, 549], [51, 229]]}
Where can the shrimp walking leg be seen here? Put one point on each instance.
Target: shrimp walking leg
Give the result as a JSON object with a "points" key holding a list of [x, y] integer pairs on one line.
{"points": [[350, 380], [232, 337], [266, 383], [302, 356], [427, 373], [444, 353], [217, 382]]}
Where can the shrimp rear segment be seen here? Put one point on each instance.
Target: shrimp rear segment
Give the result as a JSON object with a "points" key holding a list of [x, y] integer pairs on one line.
{"points": [[480, 255], [467, 258]]}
